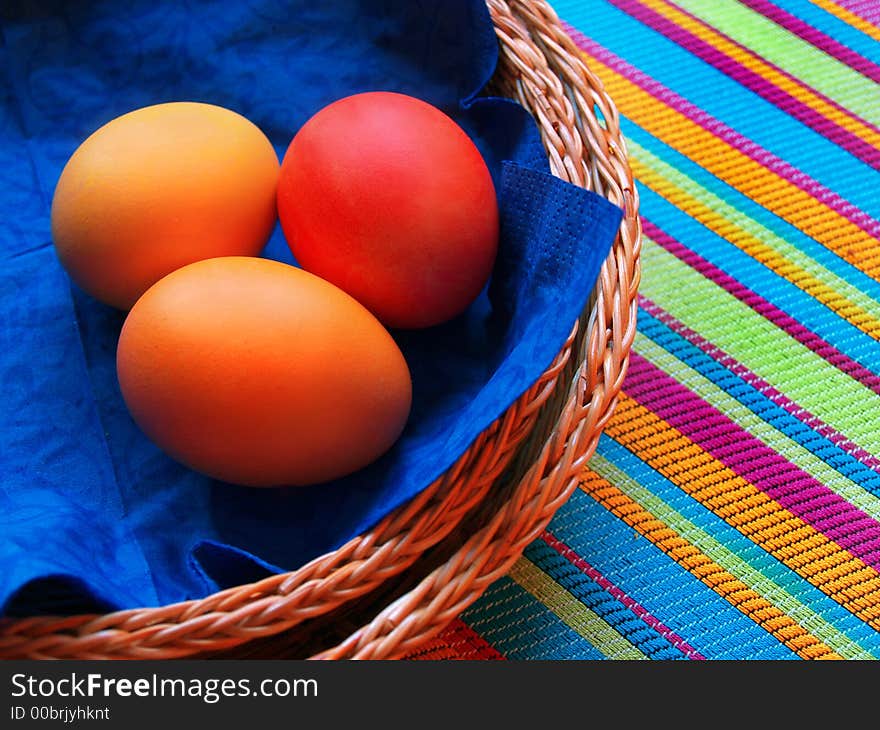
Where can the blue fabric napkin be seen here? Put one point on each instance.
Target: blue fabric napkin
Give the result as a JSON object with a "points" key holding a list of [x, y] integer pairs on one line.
{"points": [[92, 515]]}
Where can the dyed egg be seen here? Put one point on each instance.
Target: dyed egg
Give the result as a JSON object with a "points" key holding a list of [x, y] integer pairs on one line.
{"points": [[159, 188], [261, 374], [388, 198]]}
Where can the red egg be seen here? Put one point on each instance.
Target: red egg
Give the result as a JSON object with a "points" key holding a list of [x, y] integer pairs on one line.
{"points": [[386, 197]]}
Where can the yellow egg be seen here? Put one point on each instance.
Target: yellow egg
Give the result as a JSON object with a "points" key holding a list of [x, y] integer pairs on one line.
{"points": [[159, 188], [259, 373]]}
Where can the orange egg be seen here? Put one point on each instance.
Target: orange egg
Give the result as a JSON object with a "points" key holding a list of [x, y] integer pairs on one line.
{"points": [[159, 188], [259, 373]]}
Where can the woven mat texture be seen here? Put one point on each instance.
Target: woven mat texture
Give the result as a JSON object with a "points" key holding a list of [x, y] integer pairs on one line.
{"points": [[732, 510]]}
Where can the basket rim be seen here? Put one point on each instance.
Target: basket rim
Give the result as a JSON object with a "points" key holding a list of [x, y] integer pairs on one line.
{"points": [[530, 29], [236, 615]]}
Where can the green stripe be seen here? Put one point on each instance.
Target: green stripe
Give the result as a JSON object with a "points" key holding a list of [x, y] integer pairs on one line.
{"points": [[741, 222], [756, 426], [802, 60], [770, 591], [576, 615], [790, 367]]}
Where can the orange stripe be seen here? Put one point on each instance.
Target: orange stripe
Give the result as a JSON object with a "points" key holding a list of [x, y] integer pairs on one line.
{"points": [[751, 178], [848, 17], [812, 555], [767, 71], [756, 248], [725, 584]]}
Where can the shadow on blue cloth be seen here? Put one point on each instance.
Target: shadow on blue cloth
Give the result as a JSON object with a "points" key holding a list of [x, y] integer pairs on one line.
{"points": [[92, 515]]}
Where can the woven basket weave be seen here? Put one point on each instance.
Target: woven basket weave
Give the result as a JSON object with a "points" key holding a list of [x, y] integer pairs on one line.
{"points": [[388, 591]]}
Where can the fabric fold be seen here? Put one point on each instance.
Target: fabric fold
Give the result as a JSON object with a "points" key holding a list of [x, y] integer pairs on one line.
{"points": [[94, 515]]}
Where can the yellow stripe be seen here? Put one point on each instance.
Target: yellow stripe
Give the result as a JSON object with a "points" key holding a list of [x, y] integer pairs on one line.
{"points": [[741, 172], [767, 71], [811, 554], [850, 18], [796, 261], [575, 614], [754, 247], [725, 584]]}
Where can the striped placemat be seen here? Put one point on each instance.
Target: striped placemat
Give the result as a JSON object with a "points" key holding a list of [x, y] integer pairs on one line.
{"points": [[732, 510]]}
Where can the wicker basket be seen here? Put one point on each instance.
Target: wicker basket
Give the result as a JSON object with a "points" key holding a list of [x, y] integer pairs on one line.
{"points": [[388, 591]]}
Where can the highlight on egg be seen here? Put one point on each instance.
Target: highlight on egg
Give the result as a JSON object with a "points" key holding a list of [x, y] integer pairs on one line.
{"points": [[159, 188], [261, 374]]}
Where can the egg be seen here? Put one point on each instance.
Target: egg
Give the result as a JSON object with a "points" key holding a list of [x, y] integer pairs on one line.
{"points": [[387, 197], [261, 374], [159, 188]]}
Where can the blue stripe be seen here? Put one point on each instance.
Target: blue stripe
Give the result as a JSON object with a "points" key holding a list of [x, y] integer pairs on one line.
{"points": [[759, 404], [840, 31], [736, 106], [746, 550], [598, 600], [750, 208], [788, 297], [677, 598], [521, 627]]}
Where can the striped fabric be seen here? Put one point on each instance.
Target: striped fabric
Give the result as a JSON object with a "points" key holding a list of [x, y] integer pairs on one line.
{"points": [[732, 510]]}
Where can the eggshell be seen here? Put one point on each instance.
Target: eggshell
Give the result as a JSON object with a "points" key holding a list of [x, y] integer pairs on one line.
{"points": [[259, 373], [388, 198], [159, 188]]}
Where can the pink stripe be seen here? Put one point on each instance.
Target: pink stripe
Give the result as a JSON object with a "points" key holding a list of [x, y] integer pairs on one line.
{"points": [[815, 37], [751, 80], [782, 72], [781, 319], [755, 152], [841, 109], [751, 459], [633, 605], [866, 9], [762, 386]]}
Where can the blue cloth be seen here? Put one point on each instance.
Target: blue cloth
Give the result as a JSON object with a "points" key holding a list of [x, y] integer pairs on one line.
{"points": [[92, 515]]}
